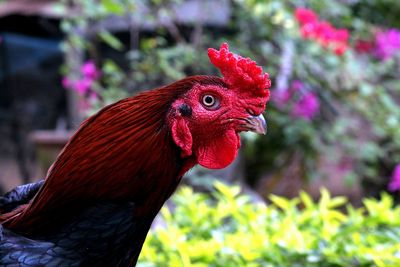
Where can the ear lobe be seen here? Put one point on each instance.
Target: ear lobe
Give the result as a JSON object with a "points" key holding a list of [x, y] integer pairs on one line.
{"points": [[182, 136]]}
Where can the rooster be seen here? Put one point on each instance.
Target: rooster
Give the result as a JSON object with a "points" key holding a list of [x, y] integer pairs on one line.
{"points": [[102, 193]]}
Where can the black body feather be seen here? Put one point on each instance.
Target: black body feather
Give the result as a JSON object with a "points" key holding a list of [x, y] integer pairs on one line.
{"points": [[103, 235]]}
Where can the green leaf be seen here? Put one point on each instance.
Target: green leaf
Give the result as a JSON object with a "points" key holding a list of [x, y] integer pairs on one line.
{"points": [[203, 231], [281, 202], [306, 199], [111, 40], [113, 6], [226, 191]]}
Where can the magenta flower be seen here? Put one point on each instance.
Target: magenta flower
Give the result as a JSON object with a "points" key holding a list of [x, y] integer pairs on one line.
{"points": [[297, 85], [394, 184], [90, 71], [387, 43], [306, 107], [282, 97], [82, 86], [66, 82]]}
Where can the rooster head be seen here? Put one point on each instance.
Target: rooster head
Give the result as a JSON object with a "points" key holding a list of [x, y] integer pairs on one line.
{"points": [[207, 119]]}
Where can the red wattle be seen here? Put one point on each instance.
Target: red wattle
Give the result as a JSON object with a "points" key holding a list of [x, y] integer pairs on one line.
{"points": [[219, 152]]}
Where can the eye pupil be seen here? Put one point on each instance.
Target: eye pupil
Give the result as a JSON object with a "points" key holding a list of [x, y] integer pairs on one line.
{"points": [[208, 100]]}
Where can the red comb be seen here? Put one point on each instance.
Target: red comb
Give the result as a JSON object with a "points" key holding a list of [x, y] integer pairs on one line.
{"points": [[239, 72]]}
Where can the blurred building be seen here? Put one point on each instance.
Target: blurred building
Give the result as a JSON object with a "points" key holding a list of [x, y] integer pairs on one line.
{"points": [[31, 96]]}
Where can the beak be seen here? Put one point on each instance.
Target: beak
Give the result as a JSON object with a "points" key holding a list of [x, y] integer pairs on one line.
{"points": [[257, 124]]}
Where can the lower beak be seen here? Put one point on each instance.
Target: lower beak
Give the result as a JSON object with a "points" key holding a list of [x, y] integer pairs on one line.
{"points": [[257, 124]]}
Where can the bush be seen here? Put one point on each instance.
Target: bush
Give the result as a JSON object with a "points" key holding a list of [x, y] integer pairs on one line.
{"points": [[227, 229]]}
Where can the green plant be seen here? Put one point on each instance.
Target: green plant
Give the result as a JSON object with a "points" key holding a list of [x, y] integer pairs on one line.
{"points": [[229, 230]]}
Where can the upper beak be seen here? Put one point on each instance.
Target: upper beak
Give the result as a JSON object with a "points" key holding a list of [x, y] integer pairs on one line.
{"points": [[257, 124]]}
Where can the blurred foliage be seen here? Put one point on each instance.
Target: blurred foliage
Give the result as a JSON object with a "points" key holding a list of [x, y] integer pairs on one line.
{"points": [[141, 64], [380, 12], [358, 92], [228, 230]]}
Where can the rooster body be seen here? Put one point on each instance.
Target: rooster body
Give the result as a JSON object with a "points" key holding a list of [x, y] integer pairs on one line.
{"points": [[101, 195]]}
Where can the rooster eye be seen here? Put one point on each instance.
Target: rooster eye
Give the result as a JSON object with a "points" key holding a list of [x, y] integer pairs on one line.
{"points": [[210, 101]]}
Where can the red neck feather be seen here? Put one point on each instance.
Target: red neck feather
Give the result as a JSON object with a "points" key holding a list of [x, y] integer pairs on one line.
{"points": [[125, 153]]}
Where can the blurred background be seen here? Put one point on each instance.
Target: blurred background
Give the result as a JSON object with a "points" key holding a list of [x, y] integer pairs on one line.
{"points": [[333, 118]]}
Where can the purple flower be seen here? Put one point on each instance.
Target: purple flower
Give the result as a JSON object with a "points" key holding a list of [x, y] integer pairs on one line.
{"points": [[394, 184], [306, 107], [90, 71], [387, 43], [281, 97], [297, 85]]}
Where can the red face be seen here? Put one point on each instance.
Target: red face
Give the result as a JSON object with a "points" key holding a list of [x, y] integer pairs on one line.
{"points": [[206, 122]]}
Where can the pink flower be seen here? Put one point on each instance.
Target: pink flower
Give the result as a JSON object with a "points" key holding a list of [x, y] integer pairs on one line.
{"points": [[82, 86], [341, 35], [281, 97], [87, 102], [306, 107], [66, 82], [297, 85], [340, 48], [304, 103], [90, 71], [307, 31], [93, 95], [322, 31], [394, 184], [305, 16]]}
